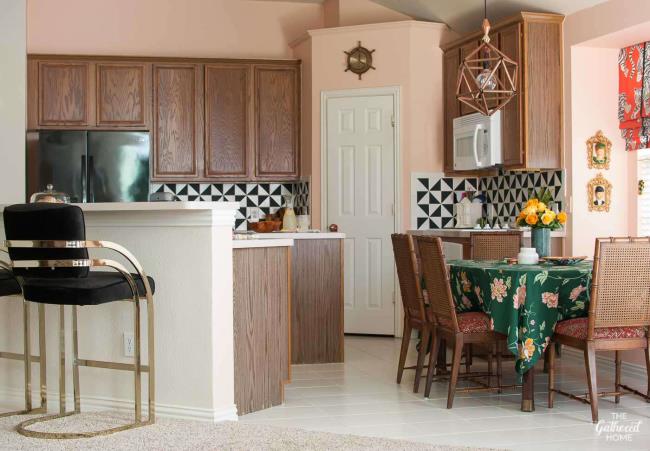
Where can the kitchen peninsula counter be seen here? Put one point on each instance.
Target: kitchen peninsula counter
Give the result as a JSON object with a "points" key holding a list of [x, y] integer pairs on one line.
{"points": [[187, 248]]}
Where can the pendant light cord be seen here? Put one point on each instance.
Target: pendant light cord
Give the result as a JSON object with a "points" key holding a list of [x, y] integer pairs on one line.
{"points": [[485, 9]]}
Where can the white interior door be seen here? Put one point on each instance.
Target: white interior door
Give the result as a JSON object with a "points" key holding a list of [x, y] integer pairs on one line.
{"points": [[360, 199]]}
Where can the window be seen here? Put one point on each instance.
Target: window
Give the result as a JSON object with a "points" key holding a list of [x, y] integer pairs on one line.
{"points": [[643, 169]]}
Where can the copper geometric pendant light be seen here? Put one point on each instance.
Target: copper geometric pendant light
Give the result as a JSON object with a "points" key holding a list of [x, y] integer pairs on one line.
{"points": [[487, 79]]}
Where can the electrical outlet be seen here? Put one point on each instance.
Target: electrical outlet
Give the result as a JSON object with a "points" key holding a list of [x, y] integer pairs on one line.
{"points": [[129, 344]]}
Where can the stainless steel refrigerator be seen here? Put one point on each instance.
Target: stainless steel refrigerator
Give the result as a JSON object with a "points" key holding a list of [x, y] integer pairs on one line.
{"points": [[102, 166]]}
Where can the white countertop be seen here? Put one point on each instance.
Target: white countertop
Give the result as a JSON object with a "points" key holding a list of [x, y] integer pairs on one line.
{"points": [[247, 244], [464, 233], [154, 206], [302, 235]]}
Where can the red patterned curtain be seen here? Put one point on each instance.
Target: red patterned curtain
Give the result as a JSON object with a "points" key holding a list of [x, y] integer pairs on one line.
{"points": [[634, 95]]}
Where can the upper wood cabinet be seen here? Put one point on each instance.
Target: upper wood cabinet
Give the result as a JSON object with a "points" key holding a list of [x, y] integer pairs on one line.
{"points": [[531, 123], [210, 120], [228, 147], [277, 121], [64, 93], [177, 100], [123, 94], [451, 62]]}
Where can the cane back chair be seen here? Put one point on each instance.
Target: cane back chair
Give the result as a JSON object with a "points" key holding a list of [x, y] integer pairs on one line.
{"points": [[618, 318], [457, 329], [49, 257], [495, 245]]}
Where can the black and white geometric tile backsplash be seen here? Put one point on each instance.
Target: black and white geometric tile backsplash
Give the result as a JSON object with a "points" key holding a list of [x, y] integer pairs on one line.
{"points": [[433, 195], [265, 197]]}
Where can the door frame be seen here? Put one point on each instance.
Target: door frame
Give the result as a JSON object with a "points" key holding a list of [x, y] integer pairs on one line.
{"points": [[394, 92]]}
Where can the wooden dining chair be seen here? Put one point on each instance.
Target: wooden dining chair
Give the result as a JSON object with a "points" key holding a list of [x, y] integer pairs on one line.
{"points": [[495, 245], [415, 314], [618, 319], [457, 329]]}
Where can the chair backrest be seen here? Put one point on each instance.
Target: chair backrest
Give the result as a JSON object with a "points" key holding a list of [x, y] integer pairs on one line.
{"points": [[45, 221], [436, 279], [620, 289], [495, 245], [407, 274]]}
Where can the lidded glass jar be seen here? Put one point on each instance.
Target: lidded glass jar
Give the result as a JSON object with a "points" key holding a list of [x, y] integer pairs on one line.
{"points": [[50, 196]]}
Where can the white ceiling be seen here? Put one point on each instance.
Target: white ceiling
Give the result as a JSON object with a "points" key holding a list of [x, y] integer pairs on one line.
{"points": [[465, 15]]}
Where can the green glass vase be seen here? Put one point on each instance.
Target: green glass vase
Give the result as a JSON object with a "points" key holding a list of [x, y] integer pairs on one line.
{"points": [[540, 239]]}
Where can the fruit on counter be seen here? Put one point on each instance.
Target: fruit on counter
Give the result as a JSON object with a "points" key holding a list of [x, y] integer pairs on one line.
{"points": [[333, 228]]}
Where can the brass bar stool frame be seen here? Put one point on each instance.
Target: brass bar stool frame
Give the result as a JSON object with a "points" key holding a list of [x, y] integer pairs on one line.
{"points": [[28, 358], [136, 367]]}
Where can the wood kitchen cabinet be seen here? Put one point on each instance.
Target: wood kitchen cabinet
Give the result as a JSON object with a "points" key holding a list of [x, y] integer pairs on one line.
{"points": [[211, 120], [61, 94], [531, 123], [178, 121], [228, 146], [123, 94], [277, 121]]}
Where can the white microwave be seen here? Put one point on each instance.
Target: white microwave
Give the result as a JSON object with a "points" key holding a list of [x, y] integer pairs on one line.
{"points": [[477, 141]]}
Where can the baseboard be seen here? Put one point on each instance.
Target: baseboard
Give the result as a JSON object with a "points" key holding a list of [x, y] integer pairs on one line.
{"points": [[16, 397], [628, 369]]}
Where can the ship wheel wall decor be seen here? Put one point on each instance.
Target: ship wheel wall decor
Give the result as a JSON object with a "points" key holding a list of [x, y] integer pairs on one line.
{"points": [[359, 60], [487, 78]]}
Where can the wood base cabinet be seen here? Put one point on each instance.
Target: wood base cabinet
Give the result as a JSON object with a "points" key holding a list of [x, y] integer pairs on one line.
{"points": [[531, 123], [317, 301], [261, 326]]}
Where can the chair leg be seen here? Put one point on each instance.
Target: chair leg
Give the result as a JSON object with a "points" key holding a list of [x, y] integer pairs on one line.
{"points": [[455, 368], [499, 366], [406, 339], [490, 351], [426, 332], [27, 356], [137, 363], [550, 351], [617, 379], [75, 361], [468, 358], [42, 352], [647, 368], [62, 395], [151, 356], [433, 359], [590, 363]]}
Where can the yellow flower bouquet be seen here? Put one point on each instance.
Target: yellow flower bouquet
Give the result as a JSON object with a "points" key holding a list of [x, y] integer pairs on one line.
{"points": [[537, 213]]}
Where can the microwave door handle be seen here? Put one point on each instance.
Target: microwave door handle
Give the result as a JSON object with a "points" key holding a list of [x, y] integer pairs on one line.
{"points": [[475, 146]]}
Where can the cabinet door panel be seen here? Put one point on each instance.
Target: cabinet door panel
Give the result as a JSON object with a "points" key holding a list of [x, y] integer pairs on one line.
{"points": [[177, 121], [277, 121], [122, 94], [64, 90], [511, 130], [452, 110], [227, 98], [465, 50]]}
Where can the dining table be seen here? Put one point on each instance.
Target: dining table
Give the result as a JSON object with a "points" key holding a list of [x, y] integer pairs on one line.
{"points": [[524, 302]]}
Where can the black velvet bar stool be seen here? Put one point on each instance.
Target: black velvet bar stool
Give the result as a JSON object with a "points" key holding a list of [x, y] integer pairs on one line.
{"points": [[9, 288], [49, 257]]}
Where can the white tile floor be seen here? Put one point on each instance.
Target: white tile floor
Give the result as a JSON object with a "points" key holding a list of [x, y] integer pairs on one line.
{"points": [[361, 397]]}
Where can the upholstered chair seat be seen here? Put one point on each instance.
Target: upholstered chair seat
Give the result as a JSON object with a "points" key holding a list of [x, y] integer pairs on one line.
{"points": [[578, 327], [8, 285], [94, 289], [469, 323]]}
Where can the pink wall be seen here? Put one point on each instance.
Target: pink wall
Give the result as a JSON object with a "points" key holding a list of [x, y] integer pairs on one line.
{"points": [[191, 28], [592, 38], [407, 55], [594, 87]]}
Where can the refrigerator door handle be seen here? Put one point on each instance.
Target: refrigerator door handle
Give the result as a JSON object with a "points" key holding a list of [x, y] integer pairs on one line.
{"points": [[91, 179], [84, 180]]}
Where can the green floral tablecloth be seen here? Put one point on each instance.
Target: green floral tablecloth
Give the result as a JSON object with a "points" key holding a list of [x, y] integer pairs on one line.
{"points": [[524, 301]]}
